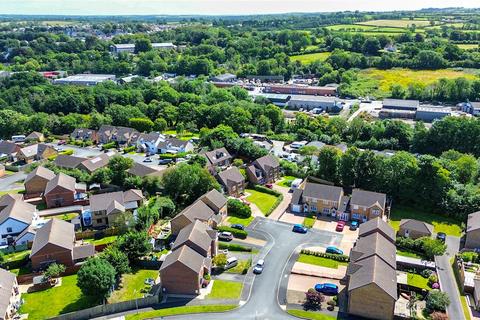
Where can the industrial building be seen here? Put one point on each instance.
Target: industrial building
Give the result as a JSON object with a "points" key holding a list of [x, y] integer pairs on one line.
{"points": [[85, 79], [327, 104], [398, 104], [431, 113], [280, 100], [130, 47], [301, 89], [471, 107]]}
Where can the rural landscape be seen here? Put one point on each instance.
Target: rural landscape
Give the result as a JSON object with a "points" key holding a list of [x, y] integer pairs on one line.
{"points": [[271, 166]]}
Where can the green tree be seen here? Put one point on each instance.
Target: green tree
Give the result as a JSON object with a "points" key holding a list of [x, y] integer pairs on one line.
{"points": [[134, 244], [160, 125], [141, 124], [119, 165], [237, 208], [328, 163], [143, 45], [53, 271], [117, 258], [437, 300], [96, 277]]}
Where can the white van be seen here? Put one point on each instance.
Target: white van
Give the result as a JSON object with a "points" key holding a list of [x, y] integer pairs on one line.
{"points": [[19, 138], [296, 184], [231, 262]]}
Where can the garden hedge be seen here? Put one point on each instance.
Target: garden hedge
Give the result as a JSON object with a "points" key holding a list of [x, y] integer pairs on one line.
{"points": [[234, 247], [336, 257], [241, 234]]}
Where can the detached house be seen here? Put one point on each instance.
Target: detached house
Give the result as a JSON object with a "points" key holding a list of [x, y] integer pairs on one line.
{"points": [[9, 295], [35, 136], [55, 242], [93, 164], [367, 205], [149, 142], [36, 181], [184, 269], [371, 273], [264, 170], [68, 162], [211, 209], [107, 207], [35, 152], [218, 158], [63, 190], [232, 181], [8, 149], [174, 146], [16, 216]]}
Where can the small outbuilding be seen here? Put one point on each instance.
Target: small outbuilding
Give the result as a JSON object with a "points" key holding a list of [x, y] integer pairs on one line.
{"points": [[411, 228]]}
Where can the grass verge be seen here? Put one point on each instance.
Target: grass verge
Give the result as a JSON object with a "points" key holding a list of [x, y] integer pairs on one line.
{"points": [[310, 315], [225, 290], [179, 310]]}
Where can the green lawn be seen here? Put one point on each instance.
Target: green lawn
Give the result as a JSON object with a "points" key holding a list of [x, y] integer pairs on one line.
{"points": [[310, 315], [186, 135], [241, 266], [105, 240], [16, 256], [263, 201], [309, 222], [320, 261], [54, 301], [65, 216], [311, 57], [286, 181], [12, 191], [179, 310], [416, 280], [243, 221], [133, 286], [225, 290], [408, 254], [440, 223]]}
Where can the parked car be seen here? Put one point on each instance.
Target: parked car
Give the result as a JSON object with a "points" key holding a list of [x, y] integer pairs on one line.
{"points": [[231, 262], [147, 159], [441, 236], [165, 161], [61, 142], [225, 236], [340, 226], [237, 226], [354, 225], [299, 228], [327, 288], [333, 250], [269, 186], [259, 266]]}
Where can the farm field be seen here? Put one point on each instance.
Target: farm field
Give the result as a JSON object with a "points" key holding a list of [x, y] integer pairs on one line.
{"points": [[362, 28], [311, 57], [396, 23], [468, 46], [384, 79]]}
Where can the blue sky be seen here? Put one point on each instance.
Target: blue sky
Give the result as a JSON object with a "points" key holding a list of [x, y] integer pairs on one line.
{"points": [[215, 7]]}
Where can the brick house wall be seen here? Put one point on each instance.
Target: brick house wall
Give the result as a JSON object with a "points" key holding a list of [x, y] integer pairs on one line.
{"points": [[472, 239], [59, 197], [179, 279], [36, 185], [371, 302], [51, 253]]}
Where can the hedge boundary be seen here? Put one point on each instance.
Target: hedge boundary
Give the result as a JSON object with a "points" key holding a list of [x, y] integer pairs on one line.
{"points": [[241, 234], [336, 257]]}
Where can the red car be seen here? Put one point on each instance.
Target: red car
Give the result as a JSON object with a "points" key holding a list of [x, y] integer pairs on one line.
{"points": [[61, 142], [269, 186], [340, 226]]}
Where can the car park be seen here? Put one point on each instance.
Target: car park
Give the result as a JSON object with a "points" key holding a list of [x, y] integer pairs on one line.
{"points": [[333, 250], [231, 262], [340, 226], [225, 236], [237, 226], [299, 228], [259, 266], [354, 225], [327, 288]]}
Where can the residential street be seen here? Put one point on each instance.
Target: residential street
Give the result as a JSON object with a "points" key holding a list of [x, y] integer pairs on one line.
{"points": [[447, 278], [6, 182]]}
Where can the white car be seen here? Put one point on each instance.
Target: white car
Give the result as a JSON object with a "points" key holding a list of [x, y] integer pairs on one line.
{"points": [[259, 266]]}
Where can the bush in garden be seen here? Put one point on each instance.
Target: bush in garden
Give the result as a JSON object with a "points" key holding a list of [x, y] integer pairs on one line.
{"points": [[220, 260], [241, 234], [336, 257], [313, 300], [437, 300], [426, 273], [238, 209], [432, 279]]}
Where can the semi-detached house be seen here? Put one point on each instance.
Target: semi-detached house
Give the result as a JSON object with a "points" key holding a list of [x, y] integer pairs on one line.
{"points": [[16, 216]]}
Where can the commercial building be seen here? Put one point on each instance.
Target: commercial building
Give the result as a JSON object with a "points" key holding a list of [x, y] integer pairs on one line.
{"points": [[327, 104], [280, 100], [130, 47], [431, 113], [85, 79], [226, 77], [300, 89], [398, 104]]}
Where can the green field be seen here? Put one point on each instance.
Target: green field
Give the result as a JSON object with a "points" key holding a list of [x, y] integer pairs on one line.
{"points": [[54, 301], [225, 290], [396, 23], [263, 201], [408, 254], [378, 82], [311, 57], [365, 29], [440, 223], [179, 310], [320, 261], [133, 286]]}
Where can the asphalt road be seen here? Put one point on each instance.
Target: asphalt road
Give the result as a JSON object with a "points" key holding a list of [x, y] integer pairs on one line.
{"points": [[272, 283], [7, 182]]}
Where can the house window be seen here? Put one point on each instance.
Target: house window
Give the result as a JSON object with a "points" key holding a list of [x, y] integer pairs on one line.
{"points": [[9, 230], [376, 212], [99, 220], [313, 208], [326, 211], [356, 216]]}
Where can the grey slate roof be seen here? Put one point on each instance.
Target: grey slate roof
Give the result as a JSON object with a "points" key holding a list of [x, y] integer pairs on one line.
{"points": [[216, 199], [83, 251], [400, 103], [368, 198], [186, 256], [376, 225], [15, 208], [217, 155], [7, 147], [416, 225], [7, 282], [55, 231], [231, 176], [196, 232], [198, 210], [82, 134], [141, 170], [316, 144], [98, 162], [297, 196], [133, 195], [322, 191], [35, 136], [34, 150], [473, 221], [67, 161]]}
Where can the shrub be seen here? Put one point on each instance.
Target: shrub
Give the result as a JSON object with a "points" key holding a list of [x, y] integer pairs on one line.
{"points": [[172, 156], [426, 246], [109, 145], [336, 257], [129, 149], [238, 209], [313, 300], [53, 271], [275, 205], [437, 300], [470, 257], [432, 279], [220, 260], [426, 273], [263, 189], [234, 247], [241, 234]]}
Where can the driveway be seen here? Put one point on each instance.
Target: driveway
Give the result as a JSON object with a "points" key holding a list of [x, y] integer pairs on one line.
{"points": [[283, 206], [447, 278]]}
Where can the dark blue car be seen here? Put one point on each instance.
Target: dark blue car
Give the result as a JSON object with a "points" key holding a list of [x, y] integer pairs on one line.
{"points": [[299, 228], [333, 250], [327, 288]]}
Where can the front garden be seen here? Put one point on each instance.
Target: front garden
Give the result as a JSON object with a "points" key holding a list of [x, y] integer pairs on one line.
{"points": [[323, 259], [225, 290], [265, 199]]}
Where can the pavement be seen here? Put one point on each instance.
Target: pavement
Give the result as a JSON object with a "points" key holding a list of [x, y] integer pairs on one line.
{"points": [[283, 206], [447, 280], [265, 295]]}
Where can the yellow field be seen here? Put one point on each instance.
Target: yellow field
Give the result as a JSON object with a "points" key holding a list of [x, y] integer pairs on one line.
{"points": [[468, 46], [404, 77], [310, 57], [396, 23]]}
